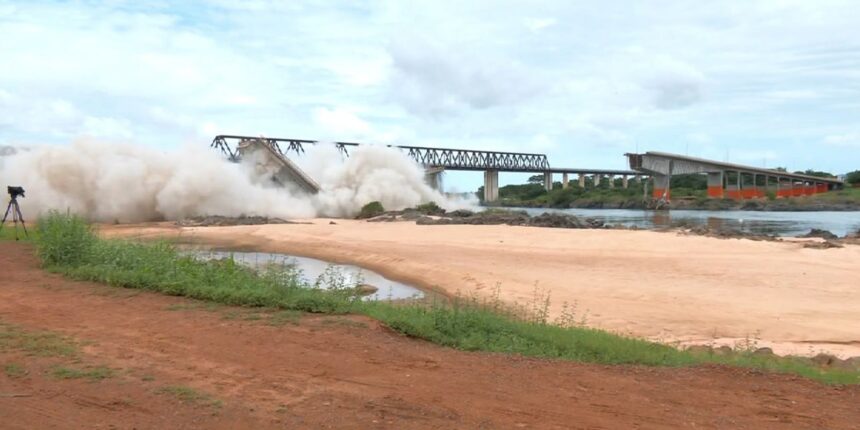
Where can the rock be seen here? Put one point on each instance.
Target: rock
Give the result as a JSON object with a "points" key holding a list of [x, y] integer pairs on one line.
{"points": [[827, 244], [826, 360], [218, 220], [461, 213], [824, 234], [851, 363], [383, 218], [763, 352], [332, 223], [557, 220]]}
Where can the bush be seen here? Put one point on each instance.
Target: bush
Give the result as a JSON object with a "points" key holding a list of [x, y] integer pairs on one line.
{"points": [[853, 178], [430, 208], [370, 210], [63, 239]]}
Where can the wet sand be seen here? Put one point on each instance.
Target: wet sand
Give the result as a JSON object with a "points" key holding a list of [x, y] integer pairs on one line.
{"points": [[661, 286]]}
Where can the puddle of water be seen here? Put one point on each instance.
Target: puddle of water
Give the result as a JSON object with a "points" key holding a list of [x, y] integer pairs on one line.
{"points": [[311, 270]]}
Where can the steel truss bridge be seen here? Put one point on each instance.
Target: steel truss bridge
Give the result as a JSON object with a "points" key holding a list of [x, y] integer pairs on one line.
{"points": [[447, 158]]}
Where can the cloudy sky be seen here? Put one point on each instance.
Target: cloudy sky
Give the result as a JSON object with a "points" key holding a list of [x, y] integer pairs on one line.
{"points": [[774, 83]]}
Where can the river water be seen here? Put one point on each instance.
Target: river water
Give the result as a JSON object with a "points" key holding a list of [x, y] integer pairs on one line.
{"points": [[759, 222], [311, 270]]}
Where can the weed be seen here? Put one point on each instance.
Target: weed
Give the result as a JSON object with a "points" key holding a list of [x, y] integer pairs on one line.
{"points": [[147, 378], [189, 395], [44, 344], [285, 317], [14, 370], [93, 374]]}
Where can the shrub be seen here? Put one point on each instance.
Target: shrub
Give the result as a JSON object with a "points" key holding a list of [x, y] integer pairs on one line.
{"points": [[370, 210]]}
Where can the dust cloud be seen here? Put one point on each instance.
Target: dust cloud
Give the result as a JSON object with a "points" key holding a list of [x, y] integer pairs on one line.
{"points": [[112, 182]]}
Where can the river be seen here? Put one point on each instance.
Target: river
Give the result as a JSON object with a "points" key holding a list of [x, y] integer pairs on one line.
{"points": [[759, 222]]}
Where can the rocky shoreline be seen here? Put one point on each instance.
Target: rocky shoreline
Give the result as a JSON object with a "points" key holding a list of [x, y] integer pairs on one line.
{"points": [[495, 216]]}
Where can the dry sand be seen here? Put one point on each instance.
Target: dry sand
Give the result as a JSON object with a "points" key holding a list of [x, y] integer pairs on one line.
{"points": [[660, 286]]}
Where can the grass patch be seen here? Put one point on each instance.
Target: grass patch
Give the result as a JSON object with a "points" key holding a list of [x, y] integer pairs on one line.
{"points": [[93, 374], [14, 370], [40, 343], [280, 318], [189, 395], [464, 323]]}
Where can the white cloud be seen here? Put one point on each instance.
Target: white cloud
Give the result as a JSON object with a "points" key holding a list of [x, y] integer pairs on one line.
{"points": [[341, 122], [847, 140], [538, 24]]}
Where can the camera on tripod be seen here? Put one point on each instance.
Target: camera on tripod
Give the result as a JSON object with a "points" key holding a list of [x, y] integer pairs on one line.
{"points": [[14, 192], [14, 209]]}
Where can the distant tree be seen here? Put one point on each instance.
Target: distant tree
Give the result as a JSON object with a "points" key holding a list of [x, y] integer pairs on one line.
{"points": [[853, 178], [781, 169], [536, 179], [816, 173]]}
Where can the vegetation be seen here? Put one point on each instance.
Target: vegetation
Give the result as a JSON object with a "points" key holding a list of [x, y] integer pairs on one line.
{"points": [[93, 374], [189, 395], [370, 210], [14, 370], [853, 178], [533, 194], [462, 322], [43, 344]]}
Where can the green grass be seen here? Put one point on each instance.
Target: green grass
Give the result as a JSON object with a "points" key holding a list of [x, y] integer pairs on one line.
{"points": [[43, 344], [14, 370], [189, 395], [67, 245], [93, 374]]}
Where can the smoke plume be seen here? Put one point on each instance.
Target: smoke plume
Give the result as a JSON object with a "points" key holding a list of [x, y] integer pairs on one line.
{"points": [[112, 182]]}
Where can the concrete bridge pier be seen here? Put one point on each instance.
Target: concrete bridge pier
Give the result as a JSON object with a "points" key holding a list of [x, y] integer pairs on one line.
{"points": [[715, 185], [547, 181], [597, 178], [491, 185], [611, 181], [581, 180], [433, 177], [564, 180], [661, 188], [624, 182]]}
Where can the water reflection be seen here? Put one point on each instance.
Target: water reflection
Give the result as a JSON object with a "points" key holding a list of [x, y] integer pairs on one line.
{"points": [[312, 270]]}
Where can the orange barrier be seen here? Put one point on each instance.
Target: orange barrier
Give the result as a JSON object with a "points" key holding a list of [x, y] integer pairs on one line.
{"points": [[821, 188], [734, 194], [715, 192], [658, 193], [784, 192]]}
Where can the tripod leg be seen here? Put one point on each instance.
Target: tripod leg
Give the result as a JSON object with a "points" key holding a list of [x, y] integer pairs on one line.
{"points": [[21, 217], [8, 208]]}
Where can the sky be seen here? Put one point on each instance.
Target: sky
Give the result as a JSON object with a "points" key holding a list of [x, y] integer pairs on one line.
{"points": [[766, 83]]}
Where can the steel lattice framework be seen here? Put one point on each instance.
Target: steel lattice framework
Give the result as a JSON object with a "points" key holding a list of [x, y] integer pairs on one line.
{"points": [[447, 158]]}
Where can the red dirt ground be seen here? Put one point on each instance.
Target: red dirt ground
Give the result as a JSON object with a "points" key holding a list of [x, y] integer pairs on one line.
{"points": [[346, 372]]}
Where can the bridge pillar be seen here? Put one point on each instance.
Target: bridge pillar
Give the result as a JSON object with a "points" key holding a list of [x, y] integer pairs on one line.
{"points": [[597, 179], [715, 185], [491, 185], [564, 180], [547, 181], [581, 180], [624, 182], [611, 180], [661, 187], [433, 177]]}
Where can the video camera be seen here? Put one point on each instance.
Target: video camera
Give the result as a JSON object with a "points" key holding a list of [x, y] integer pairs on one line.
{"points": [[14, 192]]}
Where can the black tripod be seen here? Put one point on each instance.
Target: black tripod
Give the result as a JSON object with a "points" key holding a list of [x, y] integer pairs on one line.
{"points": [[16, 216]]}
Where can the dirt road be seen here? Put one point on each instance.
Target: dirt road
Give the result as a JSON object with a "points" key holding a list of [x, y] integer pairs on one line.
{"points": [[176, 363], [660, 286]]}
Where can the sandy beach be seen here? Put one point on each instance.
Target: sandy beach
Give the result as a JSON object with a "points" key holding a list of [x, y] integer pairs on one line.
{"points": [[661, 286]]}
